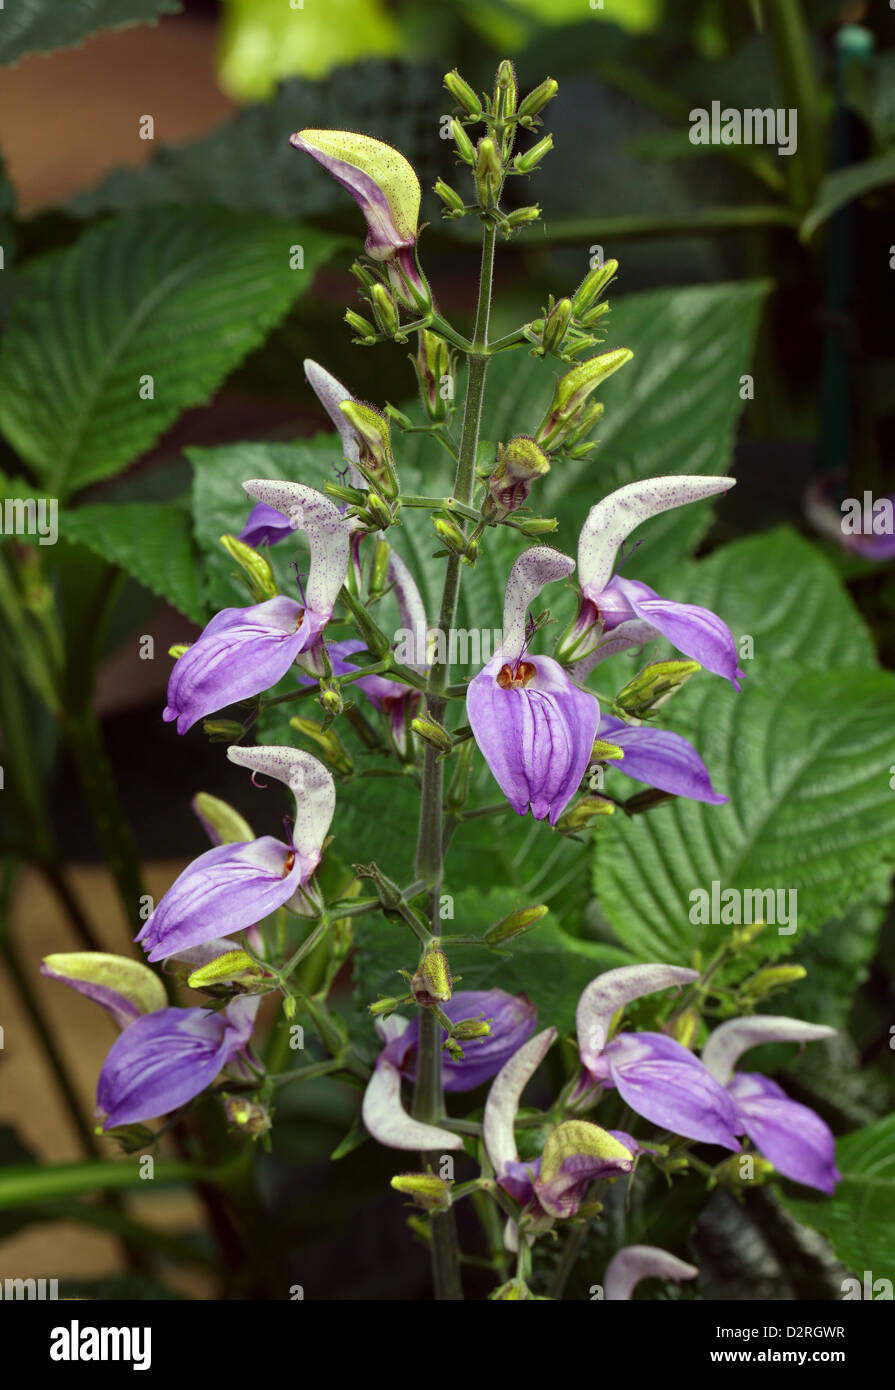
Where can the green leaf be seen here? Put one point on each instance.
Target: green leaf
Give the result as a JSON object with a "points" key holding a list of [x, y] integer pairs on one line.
{"points": [[800, 753], [673, 409], [178, 296], [151, 541], [859, 1219], [845, 185], [39, 26]]}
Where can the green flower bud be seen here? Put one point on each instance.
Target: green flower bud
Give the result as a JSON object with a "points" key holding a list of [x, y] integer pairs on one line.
{"points": [[364, 276], [584, 422], [505, 90], [521, 217], [592, 286], [488, 171], [462, 93], [685, 1028], [379, 567], [583, 814], [432, 363], [427, 1190], [592, 317], [361, 326], [536, 100], [384, 311], [654, 685], [221, 823], [329, 744], [513, 1289], [430, 731], [573, 389], [606, 752], [463, 143], [331, 700], [387, 1004], [178, 649], [432, 982], [470, 1028], [744, 936], [556, 324], [449, 196], [519, 463], [774, 977], [379, 514], [247, 1115], [450, 534], [371, 430], [232, 967], [515, 924], [538, 526], [223, 730], [526, 163], [355, 495], [258, 573]]}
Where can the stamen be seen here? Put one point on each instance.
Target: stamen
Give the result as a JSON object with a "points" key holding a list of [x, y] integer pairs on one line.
{"points": [[516, 677], [289, 864]]}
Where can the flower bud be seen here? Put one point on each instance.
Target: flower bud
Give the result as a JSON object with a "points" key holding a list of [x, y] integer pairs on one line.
{"points": [[774, 977], [247, 1115], [433, 361], [526, 163], [364, 277], [516, 924], [462, 93], [744, 936], [364, 329], [258, 573], [685, 1028], [375, 462], [449, 196], [221, 823], [556, 325], [731, 1172], [505, 90], [384, 311], [232, 967], [592, 287], [386, 1004], [432, 982], [427, 1190], [513, 1289], [519, 463], [488, 171], [379, 568], [223, 730], [583, 423], [606, 752], [430, 731], [330, 745], [583, 813], [178, 649], [536, 100], [654, 685], [356, 496], [470, 1028], [520, 217], [450, 534], [573, 389], [464, 145], [331, 700], [592, 317], [538, 526]]}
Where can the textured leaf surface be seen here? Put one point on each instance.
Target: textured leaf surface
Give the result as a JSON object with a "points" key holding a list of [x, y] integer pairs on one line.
{"points": [[39, 26], [151, 541]]}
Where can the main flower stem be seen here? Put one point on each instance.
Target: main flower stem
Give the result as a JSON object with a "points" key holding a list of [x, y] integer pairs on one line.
{"points": [[428, 1100]]}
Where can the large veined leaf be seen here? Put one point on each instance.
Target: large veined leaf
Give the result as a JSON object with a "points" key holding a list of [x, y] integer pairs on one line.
{"points": [[144, 316], [39, 26], [859, 1219], [153, 541], [780, 751], [673, 409]]}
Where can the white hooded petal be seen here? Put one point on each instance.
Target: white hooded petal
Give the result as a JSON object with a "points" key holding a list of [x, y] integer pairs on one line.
{"points": [[636, 1262], [388, 1121], [611, 521], [533, 569], [331, 393], [327, 531], [601, 1000], [730, 1040], [503, 1098], [310, 783]]}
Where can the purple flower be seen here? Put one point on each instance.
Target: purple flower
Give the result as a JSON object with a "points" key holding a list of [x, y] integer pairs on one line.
{"points": [[535, 727], [126, 988], [617, 613], [387, 191], [265, 526], [552, 1186], [166, 1058], [657, 1077], [383, 1112], [864, 526], [244, 651], [513, 1018], [233, 886], [791, 1136], [661, 759], [635, 1262]]}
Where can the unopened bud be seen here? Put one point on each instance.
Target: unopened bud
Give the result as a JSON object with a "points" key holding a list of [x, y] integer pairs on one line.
{"points": [[519, 463], [384, 311], [573, 389], [592, 286], [654, 685], [583, 813], [221, 823], [363, 276], [520, 217], [233, 966], [386, 1004], [505, 90], [774, 977], [331, 700], [462, 93], [450, 534], [556, 325], [379, 568], [538, 526], [372, 432], [223, 730], [606, 752], [512, 1290], [378, 512], [488, 170], [330, 745], [449, 196], [356, 496], [258, 573], [432, 363], [463, 143], [427, 1190], [744, 936], [685, 1028], [536, 100], [178, 649], [247, 1115], [430, 731], [470, 1028], [525, 163], [517, 923], [432, 982], [364, 329]]}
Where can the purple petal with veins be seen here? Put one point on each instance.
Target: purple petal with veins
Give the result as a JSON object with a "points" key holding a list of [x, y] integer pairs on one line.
{"points": [[660, 759]]}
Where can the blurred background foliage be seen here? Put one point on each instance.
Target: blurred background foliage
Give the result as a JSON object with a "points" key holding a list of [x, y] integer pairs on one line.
{"points": [[735, 263]]}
